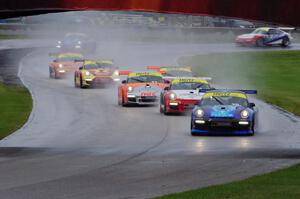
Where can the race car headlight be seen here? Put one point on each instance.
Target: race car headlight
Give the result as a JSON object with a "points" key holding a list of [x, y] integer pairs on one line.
{"points": [[129, 89], [116, 73], [60, 65], [79, 42], [172, 96], [59, 42], [199, 113], [87, 73], [244, 114]]}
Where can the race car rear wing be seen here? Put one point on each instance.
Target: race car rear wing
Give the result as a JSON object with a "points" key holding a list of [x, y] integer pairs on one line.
{"points": [[200, 78], [250, 92]]}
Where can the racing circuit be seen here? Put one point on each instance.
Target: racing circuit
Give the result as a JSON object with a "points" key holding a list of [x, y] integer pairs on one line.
{"points": [[78, 143]]}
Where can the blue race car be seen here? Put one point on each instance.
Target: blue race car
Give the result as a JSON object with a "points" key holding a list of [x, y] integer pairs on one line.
{"points": [[224, 112]]}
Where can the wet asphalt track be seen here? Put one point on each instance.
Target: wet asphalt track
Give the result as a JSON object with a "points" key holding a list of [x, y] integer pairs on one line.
{"points": [[79, 144]]}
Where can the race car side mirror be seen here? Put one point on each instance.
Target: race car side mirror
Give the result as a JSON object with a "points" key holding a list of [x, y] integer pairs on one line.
{"points": [[251, 105], [124, 82], [167, 88], [167, 81], [81, 67]]}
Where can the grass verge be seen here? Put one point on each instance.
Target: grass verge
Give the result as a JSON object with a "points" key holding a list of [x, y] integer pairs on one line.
{"points": [[8, 37], [15, 106], [276, 185], [274, 74]]}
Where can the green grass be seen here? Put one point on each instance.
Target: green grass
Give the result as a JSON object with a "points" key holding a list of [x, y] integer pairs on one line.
{"points": [[276, 185], [7, 37], [15, 106], [276, 75]]}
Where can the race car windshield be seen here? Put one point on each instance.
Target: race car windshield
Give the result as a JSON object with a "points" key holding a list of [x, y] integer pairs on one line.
{"points": [[146, 78], [74, 38], [178, 73], [259, 31], [69, 58], [98, 66], [189, 86], [223, 100]]}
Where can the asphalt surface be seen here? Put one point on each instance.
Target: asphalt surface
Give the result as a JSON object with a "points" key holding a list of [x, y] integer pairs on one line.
{"points": [[78, 143]]}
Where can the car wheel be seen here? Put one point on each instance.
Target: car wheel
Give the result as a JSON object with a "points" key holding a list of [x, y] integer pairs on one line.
{"points": [[285, 42], [81, 83], [123, 102], [260, 42], [75, 83], [160, 105], [193, 134], [119, 101], [165, 109]]}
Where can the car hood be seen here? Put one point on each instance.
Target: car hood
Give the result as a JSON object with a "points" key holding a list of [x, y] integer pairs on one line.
{"points": [[223, 111], [188, 94], [147, 88], [100, 72]]}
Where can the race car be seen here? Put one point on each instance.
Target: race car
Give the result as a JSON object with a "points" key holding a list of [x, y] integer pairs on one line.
{"points": [[63, 64], [76, 42], [182, 94], [96, 73], [224, 112], [265, 37], [141, 88]]}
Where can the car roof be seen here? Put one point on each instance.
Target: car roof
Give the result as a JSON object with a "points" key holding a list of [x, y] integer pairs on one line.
{"points": [[185, 80], [144, 73], [86, 62], [231, 93], [176, 68]]}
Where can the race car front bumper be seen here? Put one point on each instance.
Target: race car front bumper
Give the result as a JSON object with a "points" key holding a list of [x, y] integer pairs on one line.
{"points": [[180, 105], [221, 126], [141, 100], [98, 81]]}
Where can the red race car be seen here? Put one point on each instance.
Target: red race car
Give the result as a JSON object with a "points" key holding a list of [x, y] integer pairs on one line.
{"points": [[141, 88], [64, 64], [182, 94]]}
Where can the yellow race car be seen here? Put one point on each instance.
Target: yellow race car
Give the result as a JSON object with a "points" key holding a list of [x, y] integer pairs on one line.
{"points": [[96, 73]]}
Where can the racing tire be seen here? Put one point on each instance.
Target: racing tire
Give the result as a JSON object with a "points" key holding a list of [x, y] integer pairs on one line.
{"points": [[165, 110], [120, 101], [81, 84], [123, 103], [192, 134], [260, 42], [160, 104], [285, 42], [75, 84], [160, 108]]}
